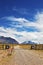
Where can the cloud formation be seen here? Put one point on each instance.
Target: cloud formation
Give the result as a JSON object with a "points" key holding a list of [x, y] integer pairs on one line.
{"points": [[22, 11], [36, 36]]}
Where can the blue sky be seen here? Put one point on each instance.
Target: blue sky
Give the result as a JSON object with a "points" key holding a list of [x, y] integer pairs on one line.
{"points": [[22, 20], [17, 7]]}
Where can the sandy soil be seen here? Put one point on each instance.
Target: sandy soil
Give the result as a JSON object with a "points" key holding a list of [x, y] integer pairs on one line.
{"points": [[24, 57]]}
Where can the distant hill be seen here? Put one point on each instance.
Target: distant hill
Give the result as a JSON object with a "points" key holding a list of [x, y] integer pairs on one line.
{"points": [[8, 40], [29, 42]]}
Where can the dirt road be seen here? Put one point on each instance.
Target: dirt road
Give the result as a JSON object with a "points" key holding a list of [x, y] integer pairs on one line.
{"points": [[24, 57]]}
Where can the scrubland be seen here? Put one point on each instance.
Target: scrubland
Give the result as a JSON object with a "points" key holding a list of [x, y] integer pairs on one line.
{"points": [[22, 56]]}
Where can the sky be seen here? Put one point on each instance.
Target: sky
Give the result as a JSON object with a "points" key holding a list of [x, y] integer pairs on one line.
{"points": [[22, 20]]}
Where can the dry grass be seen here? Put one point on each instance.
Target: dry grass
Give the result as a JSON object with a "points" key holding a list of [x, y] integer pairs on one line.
{"points": [[4, 57], [22, 56], [3, 54], [25, 46]]}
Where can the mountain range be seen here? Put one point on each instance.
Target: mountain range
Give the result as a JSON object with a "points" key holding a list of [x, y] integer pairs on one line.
{"points": [[8, 40], [13, 41], [28, 42]]}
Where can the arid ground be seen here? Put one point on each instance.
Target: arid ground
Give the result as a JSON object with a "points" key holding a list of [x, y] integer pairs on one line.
{"points": [[22, 57]]}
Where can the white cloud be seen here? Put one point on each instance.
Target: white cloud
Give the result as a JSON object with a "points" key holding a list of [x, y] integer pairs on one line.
{"points": [[33, 36], [38, 24], [16, 19], [22, 11], [10, 32]]}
